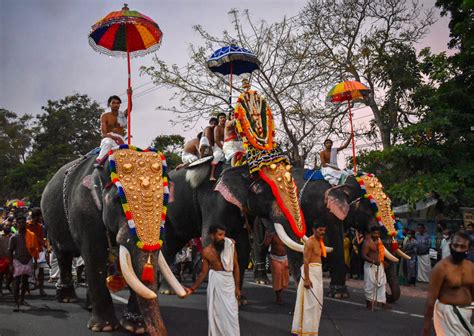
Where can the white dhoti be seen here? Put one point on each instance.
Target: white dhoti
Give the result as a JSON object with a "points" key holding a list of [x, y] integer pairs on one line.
{"points": [[449, 322], [205, 145], [335, 176], [374, 282], [218, 155], [107, 144], [231, 148], [222, 307], [309, 303], [188, 157], [424, 268]]}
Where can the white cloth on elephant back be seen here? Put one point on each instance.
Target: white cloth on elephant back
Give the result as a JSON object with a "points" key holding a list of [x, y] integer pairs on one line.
{"points": [[374, 282], [309, 303], [335, 176], [188, 157], [106, 144], [447, 322], [424, 268], [222, 307]]}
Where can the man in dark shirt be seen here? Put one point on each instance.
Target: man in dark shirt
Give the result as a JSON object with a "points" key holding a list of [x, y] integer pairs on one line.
{"points": [[5, 257], [20, 247]]}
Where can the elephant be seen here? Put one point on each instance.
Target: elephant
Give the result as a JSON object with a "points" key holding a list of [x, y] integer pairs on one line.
{"points": [[83, 216]]}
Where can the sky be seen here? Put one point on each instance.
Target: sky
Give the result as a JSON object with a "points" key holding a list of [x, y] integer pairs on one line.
{"points": [[45, 54]]}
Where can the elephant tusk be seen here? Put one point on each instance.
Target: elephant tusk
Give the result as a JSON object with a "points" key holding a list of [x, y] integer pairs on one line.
{"points": [[287, 240], [169, 276], [402, 254], [328, 248], [130, 276], [390, 256]]}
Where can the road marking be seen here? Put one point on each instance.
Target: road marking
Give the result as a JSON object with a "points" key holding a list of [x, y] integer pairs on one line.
{"points": [[341, 301], [119, 298]]}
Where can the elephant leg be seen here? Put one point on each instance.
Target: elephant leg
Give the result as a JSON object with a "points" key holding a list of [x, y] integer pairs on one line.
{"points": [[65, 286], [392, 280], [243, 255], [259, 253], [94, 254], [337, 267], [132, 320], [173, 244]]}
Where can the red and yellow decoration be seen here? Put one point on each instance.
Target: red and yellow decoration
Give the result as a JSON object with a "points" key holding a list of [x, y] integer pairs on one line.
{"points": [[255, 121], [142, 182], [379, 200], [278, 176]]}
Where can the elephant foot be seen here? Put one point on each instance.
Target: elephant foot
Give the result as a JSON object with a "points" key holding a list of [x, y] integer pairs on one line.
{"points": [[66, 293], [166, 289], [338, 292], [261, 278], [133, 323], [97, 324]]}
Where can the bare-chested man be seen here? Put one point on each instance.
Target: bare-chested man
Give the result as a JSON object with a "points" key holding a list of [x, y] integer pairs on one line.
{"points": [[328, 157], [112, 127], [309, 300], [218, 143], [451, 290], [233, 147], [190, 151], [279, 264], [219, 259], [207, 140], [374, 272]]}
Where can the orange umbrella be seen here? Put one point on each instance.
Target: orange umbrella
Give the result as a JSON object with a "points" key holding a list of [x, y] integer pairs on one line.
{"points": [[348, 91]]}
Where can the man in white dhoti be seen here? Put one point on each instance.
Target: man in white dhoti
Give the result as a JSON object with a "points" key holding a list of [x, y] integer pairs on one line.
{"points": [[375, 280], [217, 151], [233, 147], [219, 259], [309, 300], [423, 244], [451, 292], [190, 151], [329, 167], [112, 128]]}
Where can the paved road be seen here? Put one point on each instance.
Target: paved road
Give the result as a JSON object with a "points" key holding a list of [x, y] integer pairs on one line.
{"points": [[188, 317]]}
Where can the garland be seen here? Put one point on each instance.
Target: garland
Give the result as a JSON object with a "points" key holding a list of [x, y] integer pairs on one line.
{"points": [[373, 202], [245, 124], [126, 210]]}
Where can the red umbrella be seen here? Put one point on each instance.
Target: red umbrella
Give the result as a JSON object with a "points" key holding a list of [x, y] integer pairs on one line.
{"points": [[126, 33], [348, 91]]}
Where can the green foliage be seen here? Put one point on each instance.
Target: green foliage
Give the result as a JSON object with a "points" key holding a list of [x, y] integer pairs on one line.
{"points": [[68, 128], [436, 155], [171, 146]]}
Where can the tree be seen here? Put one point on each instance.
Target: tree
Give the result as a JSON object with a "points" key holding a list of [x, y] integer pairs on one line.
{"points": [[67, 129], [363, 40], [289, 77], [171, 146], [436, 156], [15, 139]]}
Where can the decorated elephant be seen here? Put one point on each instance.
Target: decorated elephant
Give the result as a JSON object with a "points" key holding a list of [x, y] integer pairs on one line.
{"points": [[93, 211], [347, 208]]}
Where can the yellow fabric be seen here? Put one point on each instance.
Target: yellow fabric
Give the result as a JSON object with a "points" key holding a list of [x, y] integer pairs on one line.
{"points": [[381, 250], [32, 244], [347, 244]]}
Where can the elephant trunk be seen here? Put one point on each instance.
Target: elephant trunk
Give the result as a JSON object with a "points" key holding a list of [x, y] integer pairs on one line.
{"points": [[152, 316]]}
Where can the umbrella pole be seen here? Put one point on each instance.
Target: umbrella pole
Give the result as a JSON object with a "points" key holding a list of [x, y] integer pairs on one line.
{"points": [[129, 101], [230, 91], [352, 137]]}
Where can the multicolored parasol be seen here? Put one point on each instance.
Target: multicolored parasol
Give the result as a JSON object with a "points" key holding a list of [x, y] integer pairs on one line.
{"points": [[126, 33], [231, 60], [17, 203], [348, 91]]}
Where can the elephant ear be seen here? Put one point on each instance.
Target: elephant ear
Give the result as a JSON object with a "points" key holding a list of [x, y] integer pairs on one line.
{"points": [[90, 183], [337, 201], [233, 185]]}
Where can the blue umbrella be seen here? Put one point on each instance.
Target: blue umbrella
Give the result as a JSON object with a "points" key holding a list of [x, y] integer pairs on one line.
{"points": [[233, 59]]}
